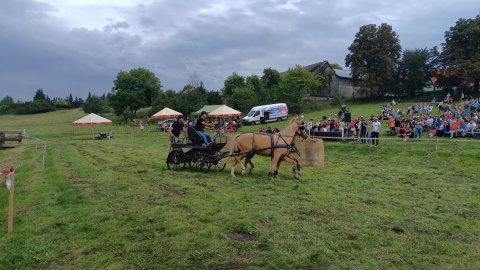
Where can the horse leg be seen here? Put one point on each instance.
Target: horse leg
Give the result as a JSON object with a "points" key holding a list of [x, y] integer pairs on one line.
{"points": [[234, 163], [294, 162], [273, 172], [249, 158]]}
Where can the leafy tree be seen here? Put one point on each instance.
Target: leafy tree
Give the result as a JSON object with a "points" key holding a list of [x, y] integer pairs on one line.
{"points": [[325, 80], [244, 98], [169, 98], [8, 101], [414, 67], [134, 90], [61, 104], [95, 105], [192, 98], [293, 87], [36, 106], [39, 95], [373, 57], [270, 80], [232, 83], [254, 83], [213, 98], [461, 50]]}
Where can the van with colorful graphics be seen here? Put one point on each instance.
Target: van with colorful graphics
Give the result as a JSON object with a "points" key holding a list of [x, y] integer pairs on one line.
{"points": [[268, 113]]}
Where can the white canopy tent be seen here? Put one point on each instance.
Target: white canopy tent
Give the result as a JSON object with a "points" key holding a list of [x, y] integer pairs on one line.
{"points": [[166, 113], [224, 111], [92, 119]]}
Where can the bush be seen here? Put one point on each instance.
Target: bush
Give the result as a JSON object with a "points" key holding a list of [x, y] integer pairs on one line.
{"points": [[37, 106]]}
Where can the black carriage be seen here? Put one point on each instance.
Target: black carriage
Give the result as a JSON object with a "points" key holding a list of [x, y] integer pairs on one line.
{"points": [[190, 152]]}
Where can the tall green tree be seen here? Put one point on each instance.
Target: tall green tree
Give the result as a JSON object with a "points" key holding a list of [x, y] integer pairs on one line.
{"points": [[213, 98], [373, 58], [293, 87], [134, 90], [94, 104], [39, 95], [245, 98], [270, 80], [461, 50], [7, 101], [232, 83], [414, 68]]}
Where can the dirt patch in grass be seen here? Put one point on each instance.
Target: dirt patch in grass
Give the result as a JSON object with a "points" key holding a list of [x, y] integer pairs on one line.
{"points": [[242, 237]]}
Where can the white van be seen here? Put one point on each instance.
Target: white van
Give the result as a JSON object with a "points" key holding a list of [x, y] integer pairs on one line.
{"points": [[277, 112]]}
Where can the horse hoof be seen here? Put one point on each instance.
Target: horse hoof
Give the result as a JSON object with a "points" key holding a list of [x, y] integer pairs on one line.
{"points": [[243, 172], [297, 176]]}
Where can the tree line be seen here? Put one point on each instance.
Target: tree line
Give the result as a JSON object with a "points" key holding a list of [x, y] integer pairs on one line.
{"points": [[379, 67]]}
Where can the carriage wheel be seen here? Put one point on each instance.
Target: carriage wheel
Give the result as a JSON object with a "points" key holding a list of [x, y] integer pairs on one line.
{"points": [[199, 162], [176, 160], [218, 163]]}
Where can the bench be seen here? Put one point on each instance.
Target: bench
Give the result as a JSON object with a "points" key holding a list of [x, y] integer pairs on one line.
{"points": [[472, 133], [13, 136]]}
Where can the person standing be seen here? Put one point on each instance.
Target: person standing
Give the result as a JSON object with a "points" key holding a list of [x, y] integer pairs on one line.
{"points": [[375, 131], [142, 126], [201, 125], [418, 128]]}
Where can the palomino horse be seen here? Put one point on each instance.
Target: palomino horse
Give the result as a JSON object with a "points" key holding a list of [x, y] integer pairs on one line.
{"points": [[278, 146]]}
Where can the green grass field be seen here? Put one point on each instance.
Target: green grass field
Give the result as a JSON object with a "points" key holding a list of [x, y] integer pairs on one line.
{"points": [[113, 204]]}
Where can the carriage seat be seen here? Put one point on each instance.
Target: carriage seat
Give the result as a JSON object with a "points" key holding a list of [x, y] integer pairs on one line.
{"points": [[193, 137]]}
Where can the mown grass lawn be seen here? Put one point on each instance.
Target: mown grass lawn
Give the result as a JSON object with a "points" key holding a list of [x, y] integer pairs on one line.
{"points": [[112, 204]]}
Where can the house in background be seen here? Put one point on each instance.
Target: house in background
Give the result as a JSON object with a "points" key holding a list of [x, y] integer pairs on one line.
{"points": [[341, 80]]}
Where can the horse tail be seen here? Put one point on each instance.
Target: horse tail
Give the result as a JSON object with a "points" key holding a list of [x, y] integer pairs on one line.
{"points": [[234, 148]]}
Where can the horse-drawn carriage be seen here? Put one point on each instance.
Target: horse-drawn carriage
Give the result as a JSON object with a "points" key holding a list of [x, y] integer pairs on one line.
{"points": [[191, 152], [278, 147]]}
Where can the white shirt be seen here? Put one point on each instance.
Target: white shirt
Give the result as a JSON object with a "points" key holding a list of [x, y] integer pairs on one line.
{"points": [[376, 126]]}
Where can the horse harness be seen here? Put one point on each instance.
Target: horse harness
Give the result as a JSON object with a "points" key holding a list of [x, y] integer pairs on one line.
{"points": [[290, 147]]}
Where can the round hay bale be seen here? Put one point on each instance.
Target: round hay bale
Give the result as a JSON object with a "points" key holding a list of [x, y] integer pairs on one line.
{"points": [[312, 152]]}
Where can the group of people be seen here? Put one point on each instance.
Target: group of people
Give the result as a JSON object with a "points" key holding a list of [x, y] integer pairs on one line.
{"points": [[180, 127], [454, 119]]}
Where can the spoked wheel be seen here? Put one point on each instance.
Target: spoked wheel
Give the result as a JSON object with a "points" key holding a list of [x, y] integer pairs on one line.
{"points": [[217, 162], [176, 160], [199, 162]]}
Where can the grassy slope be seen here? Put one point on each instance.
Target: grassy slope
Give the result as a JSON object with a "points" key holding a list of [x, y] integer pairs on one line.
{"points": [[114, 205]]}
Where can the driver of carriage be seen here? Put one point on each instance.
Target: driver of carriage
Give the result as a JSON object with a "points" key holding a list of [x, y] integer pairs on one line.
{"points": [[177, 128], [200, 125]]}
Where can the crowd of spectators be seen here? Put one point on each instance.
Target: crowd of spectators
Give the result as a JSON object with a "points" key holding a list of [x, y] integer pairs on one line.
{"points": [[447, 118]]}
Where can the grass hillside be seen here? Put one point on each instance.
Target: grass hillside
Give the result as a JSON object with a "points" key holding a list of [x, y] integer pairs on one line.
{"points": [[113, 204]]}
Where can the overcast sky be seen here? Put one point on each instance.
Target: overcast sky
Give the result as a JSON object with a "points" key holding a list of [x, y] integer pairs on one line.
{"points": [[79, 46]]}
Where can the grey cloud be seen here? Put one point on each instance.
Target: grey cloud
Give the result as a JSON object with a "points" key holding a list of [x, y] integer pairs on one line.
{"points": [[116, 26], [177, 38]]}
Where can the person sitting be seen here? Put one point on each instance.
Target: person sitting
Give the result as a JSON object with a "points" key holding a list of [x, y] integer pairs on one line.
{"points": [[201, 124], [405, 131], [269, 130], [177, 128]]}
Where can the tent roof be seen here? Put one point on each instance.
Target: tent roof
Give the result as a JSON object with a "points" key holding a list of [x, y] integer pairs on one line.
{"points": [[224, 110], [166, 113], [92, 119], [207, 108]]}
